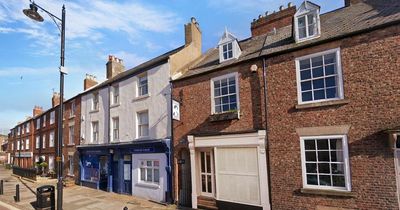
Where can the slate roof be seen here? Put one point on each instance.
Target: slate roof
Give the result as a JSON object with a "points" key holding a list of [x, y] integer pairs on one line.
{"points": [[345, 21], [138, 69]]}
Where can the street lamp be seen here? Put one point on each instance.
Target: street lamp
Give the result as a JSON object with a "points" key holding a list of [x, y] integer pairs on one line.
{"points": [[32, 13]]}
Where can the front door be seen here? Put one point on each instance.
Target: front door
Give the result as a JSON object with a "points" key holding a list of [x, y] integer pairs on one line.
{"points": [[127, 174], [207, 173], [103, 183]]}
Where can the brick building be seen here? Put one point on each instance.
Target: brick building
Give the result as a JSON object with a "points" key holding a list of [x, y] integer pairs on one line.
{"points": [[331, 103], [20, 144]]}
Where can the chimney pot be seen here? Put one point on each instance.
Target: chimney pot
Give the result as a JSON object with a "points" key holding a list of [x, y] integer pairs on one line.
{"points": [[290, 4], [281, 8], [89, 81], [266, 13]]}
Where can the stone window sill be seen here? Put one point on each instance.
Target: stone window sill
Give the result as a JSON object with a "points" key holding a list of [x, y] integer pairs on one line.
{"points": [[94, 111], [148, 185], [71, 117], [224, 116], [340, 193], [138, 98], [322, 104], [114, 105]]}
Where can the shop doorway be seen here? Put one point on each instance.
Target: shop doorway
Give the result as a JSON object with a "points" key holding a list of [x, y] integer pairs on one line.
{"points": [[103, 182]]}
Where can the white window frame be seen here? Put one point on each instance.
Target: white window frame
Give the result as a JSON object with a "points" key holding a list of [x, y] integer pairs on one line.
{"points": [[347, 176], [37, 123], [212, 91], [73, 109], [318, 25], [94, 138], [138, 128], [95, 101], [43, 141], [71, 134], [339, 84], [27, 144], [44, 121], [22, 144], [140, 86], [115, 129], [152, 167], [52, 117], [37, 139], [115, 94], [51, 139], [27, 128], [51, 163], [227, 51]]}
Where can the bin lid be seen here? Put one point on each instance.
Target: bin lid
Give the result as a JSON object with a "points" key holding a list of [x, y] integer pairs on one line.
{"points": [[45, 188]]}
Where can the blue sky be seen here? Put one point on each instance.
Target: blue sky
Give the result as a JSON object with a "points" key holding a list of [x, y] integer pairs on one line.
{"points": [[134, 31]]}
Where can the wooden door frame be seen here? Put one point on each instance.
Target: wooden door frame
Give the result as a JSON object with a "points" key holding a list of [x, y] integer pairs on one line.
{"points": [[198, 171]]}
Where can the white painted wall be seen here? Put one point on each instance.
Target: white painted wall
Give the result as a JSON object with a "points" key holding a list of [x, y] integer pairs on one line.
{"points": [[157, 103], [149, 191]]}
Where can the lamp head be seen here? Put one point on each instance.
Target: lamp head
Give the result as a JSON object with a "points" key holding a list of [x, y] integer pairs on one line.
{"points": [[32, 13]]}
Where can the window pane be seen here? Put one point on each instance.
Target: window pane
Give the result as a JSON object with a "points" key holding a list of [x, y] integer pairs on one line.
{"points": [[311, 30], [232, 81], [323, 156], [337, 168], [319, 94], [318, 72], [309, 144], [232, 99], [311, 167], [156, 175], [330, 58], [311, 156], [305, 74], [312, 179], [203, 183], [225, 108], [319, 83], [336, 156], [232, 89], [338, 181], [310, 19], [142, 174], [322, 144], [225, 99], [224, 82], [233, 106], [331, 93], [208, 161], [209, 188], [302, 21], [148, 163], [306, 86], [330, 81], [218, 109], [323, 168], [203, 165], [230, 54], [230, 46], [336, 144], [325, 180], [218, 101], [302, 32], [305, 64], [217, 84], [156, 163], [316, 61], [330, 69], [149, 174], [224, 90], [306, 96], [217, 92], [225, 47]]}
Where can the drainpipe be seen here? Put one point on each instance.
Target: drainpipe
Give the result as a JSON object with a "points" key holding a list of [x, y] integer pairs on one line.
{"points": [[109, 156], [266, 129], [171, 151]]}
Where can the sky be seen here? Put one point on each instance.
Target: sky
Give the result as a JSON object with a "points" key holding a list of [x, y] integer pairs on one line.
{"points": [[133, 30]]}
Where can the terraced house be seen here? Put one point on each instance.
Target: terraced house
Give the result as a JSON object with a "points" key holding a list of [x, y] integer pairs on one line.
{"points": [[126, 123], [328, 140]]}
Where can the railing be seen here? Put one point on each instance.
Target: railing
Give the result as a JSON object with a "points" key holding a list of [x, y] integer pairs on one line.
{"points": [[29, 173]]}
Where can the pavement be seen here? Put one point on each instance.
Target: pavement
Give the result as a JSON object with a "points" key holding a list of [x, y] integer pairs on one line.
{"points": [[74, 197]]}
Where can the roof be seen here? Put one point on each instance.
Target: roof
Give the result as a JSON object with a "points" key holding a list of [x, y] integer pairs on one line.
{"points": [[340, 23], [138, 69]]}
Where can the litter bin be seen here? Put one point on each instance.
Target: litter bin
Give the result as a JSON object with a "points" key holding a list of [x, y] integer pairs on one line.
{"points": [[45, 198]]}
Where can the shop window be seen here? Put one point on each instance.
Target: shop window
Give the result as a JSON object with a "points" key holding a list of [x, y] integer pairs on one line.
{"points": [[90, 168]]}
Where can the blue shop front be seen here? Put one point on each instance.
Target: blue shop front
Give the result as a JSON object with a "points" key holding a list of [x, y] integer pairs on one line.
{"points": [[140, 168]]}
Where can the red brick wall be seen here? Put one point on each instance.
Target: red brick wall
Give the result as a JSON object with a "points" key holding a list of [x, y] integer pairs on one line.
{"points": [[370, 66], [195, 97]]}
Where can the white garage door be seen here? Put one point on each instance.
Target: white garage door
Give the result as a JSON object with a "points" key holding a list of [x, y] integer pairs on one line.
{"points": [[237, 175]]}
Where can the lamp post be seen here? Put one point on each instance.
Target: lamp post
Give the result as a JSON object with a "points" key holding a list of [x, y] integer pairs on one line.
{"points": [[32, 13]]}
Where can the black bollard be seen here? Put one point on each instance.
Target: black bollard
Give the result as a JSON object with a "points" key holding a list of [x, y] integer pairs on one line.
{"points": [[17, 193], [1, 188], [125, 208]]}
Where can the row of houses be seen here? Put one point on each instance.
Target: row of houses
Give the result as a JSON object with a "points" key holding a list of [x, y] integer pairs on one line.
{"points": [[301, 115]]}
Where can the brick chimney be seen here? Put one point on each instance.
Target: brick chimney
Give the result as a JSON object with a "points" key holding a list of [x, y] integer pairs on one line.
{"points": [[348, 3], [267, 23], [89, 82], [114, 66], [193, 34], [55, 100], [37, 110]]}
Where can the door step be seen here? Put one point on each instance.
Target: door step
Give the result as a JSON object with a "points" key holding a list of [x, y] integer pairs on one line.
{"points": [[208, 203]]}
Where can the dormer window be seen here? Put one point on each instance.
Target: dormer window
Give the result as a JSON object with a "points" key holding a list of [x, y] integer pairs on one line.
{"points": [[228, 47], [306, 22], [227, 51]]}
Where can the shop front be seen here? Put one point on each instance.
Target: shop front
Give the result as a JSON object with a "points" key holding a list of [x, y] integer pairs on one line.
{"points": [[139, 168]]}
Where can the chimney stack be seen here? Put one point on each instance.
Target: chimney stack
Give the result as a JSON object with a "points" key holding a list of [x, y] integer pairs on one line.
{"points": [[37, 110], [55, 100], [89, 81], [267, 23], [193, 34], [114, 66], [348, 3]]}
